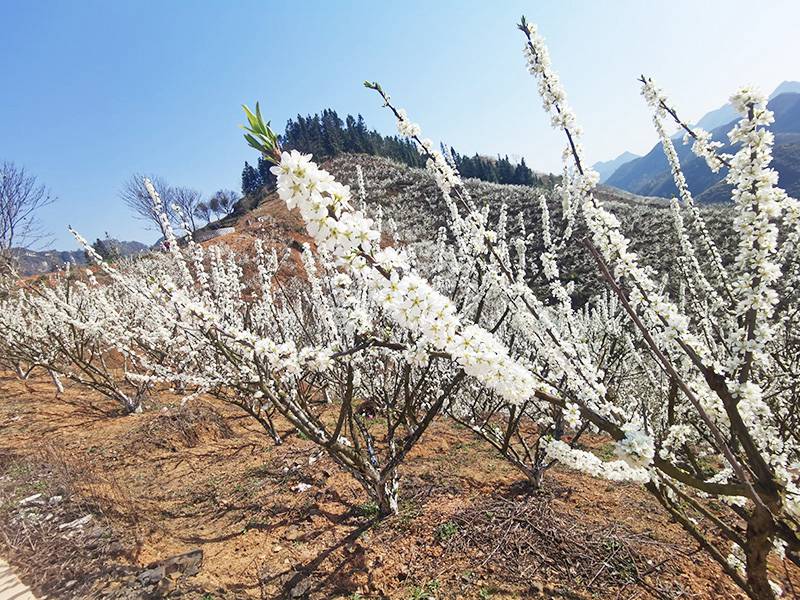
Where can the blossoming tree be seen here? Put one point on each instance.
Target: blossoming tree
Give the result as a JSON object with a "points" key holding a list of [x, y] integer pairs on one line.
{"points": [[691, 372], [729, 389], [714, 354]]}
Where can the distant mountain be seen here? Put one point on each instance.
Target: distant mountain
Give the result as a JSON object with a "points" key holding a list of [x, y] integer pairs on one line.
{"points": [[787, 87], [607, 168], [715, 118], [711, 120], [650, 174], [34, 262], [726, 113]]}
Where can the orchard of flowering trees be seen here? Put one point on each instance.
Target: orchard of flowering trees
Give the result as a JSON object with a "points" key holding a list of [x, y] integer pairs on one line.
{"points": [[692, 372]]}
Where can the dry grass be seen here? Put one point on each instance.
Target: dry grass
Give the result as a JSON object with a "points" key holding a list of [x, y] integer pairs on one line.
{"points": [[534, 540], [58, 560], [184, 426]]}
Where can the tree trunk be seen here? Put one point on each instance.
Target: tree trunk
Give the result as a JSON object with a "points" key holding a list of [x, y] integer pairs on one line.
{"points": [[539, 466], [386, 496], [760, 529], [56, 382], [266, 422], [20, 373], [535, 477], [534, 473], [132, 405]]}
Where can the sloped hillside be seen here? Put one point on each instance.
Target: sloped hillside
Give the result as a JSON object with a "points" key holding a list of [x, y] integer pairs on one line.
{"points": [[413, 211], [409, 196]]}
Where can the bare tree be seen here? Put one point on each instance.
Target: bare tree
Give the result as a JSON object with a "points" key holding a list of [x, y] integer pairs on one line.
{"points": [[134, 194], [188, 201], [203, 211], [223, 201], [21, 198]]}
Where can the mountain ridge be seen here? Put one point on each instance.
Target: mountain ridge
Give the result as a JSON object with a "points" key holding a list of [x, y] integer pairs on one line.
{"points": [[606, 168], [711, 120], [650, 175], [36, 262]]}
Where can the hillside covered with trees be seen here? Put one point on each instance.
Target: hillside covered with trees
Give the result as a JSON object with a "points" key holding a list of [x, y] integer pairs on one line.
{"points": [[325, 136]]}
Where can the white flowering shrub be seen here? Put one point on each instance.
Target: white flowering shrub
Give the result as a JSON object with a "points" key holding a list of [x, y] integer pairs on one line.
{"points": [[690, 365], [321, 350], [719, 343], [13, 353], [80, 330], [711, 344]]}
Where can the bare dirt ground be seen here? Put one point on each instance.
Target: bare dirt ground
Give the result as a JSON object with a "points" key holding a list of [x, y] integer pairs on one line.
{"points": [[92, 503]]}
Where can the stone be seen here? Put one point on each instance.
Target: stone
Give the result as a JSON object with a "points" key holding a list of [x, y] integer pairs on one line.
{"points": [[77, 523], [31, 500], [301, 589], [176, 567], [151, 576], [293, 534], [204, 235]]}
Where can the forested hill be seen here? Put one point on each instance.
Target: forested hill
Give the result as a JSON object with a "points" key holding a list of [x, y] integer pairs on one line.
{"points": [[326, 135]]}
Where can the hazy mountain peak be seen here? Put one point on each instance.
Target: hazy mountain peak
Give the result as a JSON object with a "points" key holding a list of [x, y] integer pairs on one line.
{"points": [[650, 175], [725, 113], [33, 262], [786, 87], [606, 168], [710, 121]]}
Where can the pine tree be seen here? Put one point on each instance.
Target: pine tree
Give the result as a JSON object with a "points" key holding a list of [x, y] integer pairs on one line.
{"points": [[332, 133], [251, 180], [505, 172], [325, 135], [268, 179], [363, 136]]}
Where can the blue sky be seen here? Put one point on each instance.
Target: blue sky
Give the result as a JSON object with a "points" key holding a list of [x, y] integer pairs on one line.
{"points": [[95, 91]]}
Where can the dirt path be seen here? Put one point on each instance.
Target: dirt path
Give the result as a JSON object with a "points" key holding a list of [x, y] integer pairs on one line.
{"points": [[11, 588]]}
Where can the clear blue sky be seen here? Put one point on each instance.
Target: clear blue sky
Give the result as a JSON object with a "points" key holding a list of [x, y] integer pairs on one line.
{"points": [[94, 91]]}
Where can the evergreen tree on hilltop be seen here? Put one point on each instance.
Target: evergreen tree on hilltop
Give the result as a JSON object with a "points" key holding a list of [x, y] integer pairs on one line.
{"points": [[256, 178], [251, 180], [268, 178], [505, 171], [333, 133], [523, 175], [107, 248], [325, 135], [363, 137]]}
